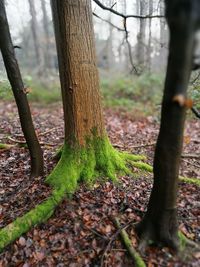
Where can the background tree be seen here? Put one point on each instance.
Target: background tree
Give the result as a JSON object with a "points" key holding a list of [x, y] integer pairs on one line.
{"points": [[34, 29], [19, 92]]}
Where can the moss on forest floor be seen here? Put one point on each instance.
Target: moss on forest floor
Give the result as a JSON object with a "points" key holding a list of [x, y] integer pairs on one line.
{"points": [[98, 158]]}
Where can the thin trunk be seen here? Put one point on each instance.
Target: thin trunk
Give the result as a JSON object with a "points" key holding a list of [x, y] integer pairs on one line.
{"points": [[160, 221], [78, 70], [47, 35], [34, 29], [150, 36], [16, 82], [141, 35]]}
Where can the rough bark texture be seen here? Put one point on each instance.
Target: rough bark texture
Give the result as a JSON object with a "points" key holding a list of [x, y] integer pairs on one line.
{"points": [[160, 221], [78, 69], [18, 89]]}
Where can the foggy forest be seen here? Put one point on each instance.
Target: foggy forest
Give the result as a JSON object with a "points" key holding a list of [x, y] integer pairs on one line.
{"points": [[99, 133]]}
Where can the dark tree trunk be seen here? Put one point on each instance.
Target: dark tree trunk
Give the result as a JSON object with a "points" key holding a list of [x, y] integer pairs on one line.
{"points": [[160, 221], [18, 89]]}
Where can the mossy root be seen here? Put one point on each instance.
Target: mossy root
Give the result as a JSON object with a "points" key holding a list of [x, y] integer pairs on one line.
{"points": [[97, 158], [146, 167], [138, 261], [36, 216]]}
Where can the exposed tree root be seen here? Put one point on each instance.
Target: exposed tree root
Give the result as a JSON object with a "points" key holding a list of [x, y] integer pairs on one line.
{"points": [[36, 216], [78, 164], [159, 228], [164, 233], [138, 261], [149, 168], [5, 146]]}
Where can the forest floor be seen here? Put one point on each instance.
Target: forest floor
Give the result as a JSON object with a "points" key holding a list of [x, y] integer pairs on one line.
{"points": [[78, 234]]}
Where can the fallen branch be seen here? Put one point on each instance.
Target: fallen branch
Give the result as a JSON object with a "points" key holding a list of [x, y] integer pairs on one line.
{"points": [[196, 112], [113, 237], [127, 243], [144, 145], [22, 142], [191, 163], [194, 156], [5, 146]]}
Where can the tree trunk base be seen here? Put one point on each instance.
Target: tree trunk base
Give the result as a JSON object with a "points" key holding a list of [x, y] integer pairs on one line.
{"points": [[76, 164], [160, 230]]}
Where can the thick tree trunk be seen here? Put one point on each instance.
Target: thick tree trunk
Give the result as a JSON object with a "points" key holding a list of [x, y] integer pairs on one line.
{"points": [[16, 82], [78, 70], [160, 221]]}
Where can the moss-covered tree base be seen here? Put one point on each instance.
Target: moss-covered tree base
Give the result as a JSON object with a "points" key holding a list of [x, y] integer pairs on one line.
{"points": [[97, 158]]}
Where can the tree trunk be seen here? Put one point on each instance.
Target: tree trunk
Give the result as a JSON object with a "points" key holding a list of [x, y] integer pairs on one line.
{"points": [[18, 89], [47, 35], [141, 35], [149, 49], [78, 70], [160, 221], [87, 150], [34, 28]]}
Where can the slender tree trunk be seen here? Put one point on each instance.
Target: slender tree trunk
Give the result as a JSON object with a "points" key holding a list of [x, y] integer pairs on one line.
{"points": [[141, 35], [16, 82], [160, 221], [34, 28], [78, 69], [47, 35], [149, 49]]}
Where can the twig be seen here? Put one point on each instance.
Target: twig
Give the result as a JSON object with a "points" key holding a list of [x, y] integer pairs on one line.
{"points": [[134, 69], [194, 156], [144, 145], [196, 112], [107, 21], [126, 16], [113, 237], [127, 243], [191, 163], [22, 142]]}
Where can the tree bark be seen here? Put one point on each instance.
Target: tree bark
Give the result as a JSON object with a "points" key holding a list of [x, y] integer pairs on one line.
{"points": [[78, 70], [160, 221], [18, 89]]}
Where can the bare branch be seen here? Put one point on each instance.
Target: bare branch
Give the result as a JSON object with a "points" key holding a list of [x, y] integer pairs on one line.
{"points": [[126, 16], [196, 112], [107, 21]]}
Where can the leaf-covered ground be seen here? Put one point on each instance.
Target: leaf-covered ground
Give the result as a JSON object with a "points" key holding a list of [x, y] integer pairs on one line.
{"points": [[79, 232]]}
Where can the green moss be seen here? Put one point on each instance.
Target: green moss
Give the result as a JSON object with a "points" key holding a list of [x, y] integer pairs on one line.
{"points": [[98, 157], [5, 146], [76, 164], [146, 167], [37, 215], [182, 240], [195, 181]]}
